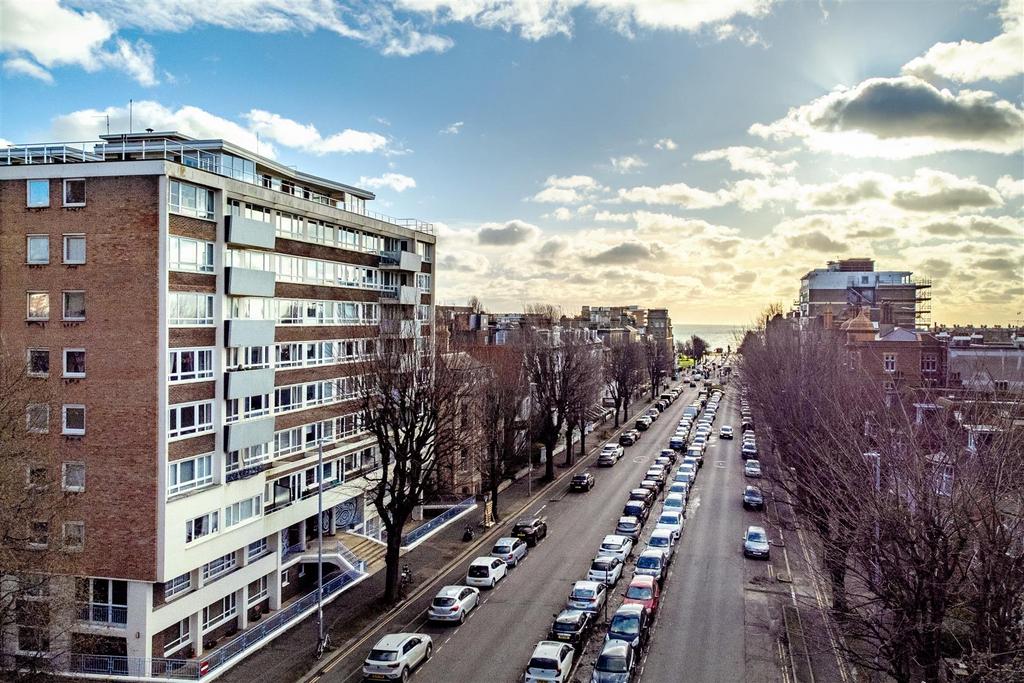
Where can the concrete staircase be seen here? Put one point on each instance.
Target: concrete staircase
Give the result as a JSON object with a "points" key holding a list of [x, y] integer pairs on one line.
{"points": [[366, 549]]}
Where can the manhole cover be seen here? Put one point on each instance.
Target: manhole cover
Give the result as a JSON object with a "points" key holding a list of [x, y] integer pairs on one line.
{"points": [[720, 464]]}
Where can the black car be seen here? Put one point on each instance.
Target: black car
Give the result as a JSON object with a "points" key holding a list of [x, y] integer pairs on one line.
{"points": [[584, 481], [669, 453], [753, 499], [643, 424], [572, 626], [645, 496], [616, 664], [531, 530], [629, 438], [636, 508], [630, 624]]}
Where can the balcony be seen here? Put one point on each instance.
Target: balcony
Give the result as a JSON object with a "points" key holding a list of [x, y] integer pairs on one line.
{"points": [[240, 435], [107, 615], [247, 232], [405, 329], [249, 332], [403, 296], [248, 282], [401, 260], [242, 383]]}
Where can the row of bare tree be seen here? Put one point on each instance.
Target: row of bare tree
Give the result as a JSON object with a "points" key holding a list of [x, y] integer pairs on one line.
{"points": [[919, 534]]}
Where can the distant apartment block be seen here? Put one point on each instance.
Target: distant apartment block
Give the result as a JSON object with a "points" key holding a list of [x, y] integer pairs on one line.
{"points": [[850, 284], [197, 312]]}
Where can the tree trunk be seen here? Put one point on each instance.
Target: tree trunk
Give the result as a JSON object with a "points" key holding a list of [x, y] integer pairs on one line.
{"points": [[493, 456], [549, 466], [583, 440], [569, 429], [392, 557], [618, 407]]}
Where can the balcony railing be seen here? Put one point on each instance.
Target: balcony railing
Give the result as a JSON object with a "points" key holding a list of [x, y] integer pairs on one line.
{"points": [[182, 153], [114, 615]]}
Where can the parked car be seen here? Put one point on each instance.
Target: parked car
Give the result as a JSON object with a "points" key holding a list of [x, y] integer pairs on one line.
{"points": [[630, 624], [700, 441], [551, 661], [510, 549], [453, 603], [588, 596], [665, 541], [681, 488], [531, 529], [677, 442], [669, 453], [749, 450], [683, 477], [651, 562], [396, 655], [628, 438], [653, 413], [643, 591], [674, 502], [645, 496], [572, 626], [616, 546], [584, 481], [616, 664], [485, 572], [636, 508], [696, 452], [629, 527], [605, 568], [753, 498], [688, 467], [643, 423], [615, 449], [673, 521], [752, 468], [692, 460], [608, 459], [656, 473], [725, 432], [755, 543], [663, 461], [651, 484]]}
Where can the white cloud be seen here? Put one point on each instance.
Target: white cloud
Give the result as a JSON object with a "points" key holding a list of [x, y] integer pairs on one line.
{"points": [[4, 142], [560, 214], [306, 137], [394, 181], [26, 67], [679, 194], [612, 217], [753, 160], [452, 129], [507, 234], [667, 144], [627, 164], [1010, 187], [567, 189], [903, 117], [967, 61]]}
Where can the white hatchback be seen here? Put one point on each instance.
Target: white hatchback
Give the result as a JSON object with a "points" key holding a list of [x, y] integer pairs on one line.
{"points": [[551, 661], [617, 546], [395, 655], [673, 521], [485, 572]]}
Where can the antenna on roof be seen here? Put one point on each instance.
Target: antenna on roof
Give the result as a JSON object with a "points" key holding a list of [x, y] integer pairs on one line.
{"points": [[130, 106]]}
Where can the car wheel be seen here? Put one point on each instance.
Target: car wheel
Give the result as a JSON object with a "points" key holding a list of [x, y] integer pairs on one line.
{"points": [[462, 618], [405, 676], [430, 651], [493, 581]]}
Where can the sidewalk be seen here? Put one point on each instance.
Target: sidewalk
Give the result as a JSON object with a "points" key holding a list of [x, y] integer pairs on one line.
{"points": [[290, 655]]}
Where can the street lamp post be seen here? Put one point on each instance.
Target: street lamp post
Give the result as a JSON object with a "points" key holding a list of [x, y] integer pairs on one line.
{"points": [[321, 642]]}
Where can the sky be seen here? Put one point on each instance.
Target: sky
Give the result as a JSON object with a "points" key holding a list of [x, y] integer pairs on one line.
{"points": [[700, 156]]}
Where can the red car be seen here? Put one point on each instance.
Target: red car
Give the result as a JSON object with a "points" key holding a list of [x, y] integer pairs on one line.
{"points": [[643, 590]]}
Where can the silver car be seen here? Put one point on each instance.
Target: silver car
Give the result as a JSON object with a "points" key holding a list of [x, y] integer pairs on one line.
{"points": [[510, 549], [588, 596], [395, 655], [755, 543], [453, 603], [752, 468]]}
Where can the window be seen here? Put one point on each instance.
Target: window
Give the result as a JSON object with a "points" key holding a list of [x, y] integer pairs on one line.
{"points": [[249, 456], [38, 193], [190, 308], [177, 636], [37, 249], [189, 365], [74, 192], [37, 476], [74, 249], [38, 362], [190, 200], [219, 612], [256, 549], [38, 534], [177, 585], [38, 417], [248, 357], [889, 362], [189, 418], [185, 475], [190, 255], [243, 511], [250, 406], [103, 601], [32, 617], [201, 526], [284, 578], [73, 476], [74, 535], [38, 306], [257, 591], [73, 422], [1001, 385], [214, 569], [423, 281], [929, 363], [74, 305], [74, 362]]}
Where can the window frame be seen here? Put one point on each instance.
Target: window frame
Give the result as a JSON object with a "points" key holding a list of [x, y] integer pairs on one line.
{"points": [[68, 431], [28, 248], [263, 590], [204, 262], [64, 193], [201, 478], [229, 606], [33, 544], [197, 374], [28, 362], [208, 303], [28, 418], [64, 305], [177, 586], [886, 357], [209, 213], [183, 638], [28, 305], [64, 476], [198, 427], [64, 536], [213, 528], [28, 193], [64, 364], [65, 238]]}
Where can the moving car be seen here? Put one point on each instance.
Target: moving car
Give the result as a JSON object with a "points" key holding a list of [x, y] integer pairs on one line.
{"points": [[755, 543], [752, 468], [725, 432], [753, 499], [608, 458], [485, 572], [664, 540], [616, 546], [584, 481], [551, 661], [588, 596], [630, 624], [531, 529], [616, 663], [510, 549], [643, 591], [572, 626], [651, 562], [396, 655], [615, 449], [605, 568], [629, 527], [673, 521], [453, 603]]}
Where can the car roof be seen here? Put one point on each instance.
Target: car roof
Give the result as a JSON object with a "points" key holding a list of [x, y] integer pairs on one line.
{"points": [[669, 512], [393, 641], [642, 580], [614, 538], [450, 591], [569, 615], [593, 585], [661, 532], [751, 461], [628, 519], [652, 552], [506, 540], [547, 648], [486, 560], [631, 608], [528, 520], [674, 496], [750, 489], [756, 529], [616, 648]]}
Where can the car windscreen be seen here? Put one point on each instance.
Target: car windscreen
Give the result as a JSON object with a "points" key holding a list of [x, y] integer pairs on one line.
{"points": [[543, 664], [639, 593], [648, 562], [615, 665], [673, 503], [502, 549], [625, 624], [443, 602], [659, 541], [611, 546], [583, 593], [756, 537], [383, 656], [478, 571], [564, 627]]}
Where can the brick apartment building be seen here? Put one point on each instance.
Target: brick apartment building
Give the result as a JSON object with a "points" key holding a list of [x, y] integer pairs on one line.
{"points": [[854, 284], [195, 309]]}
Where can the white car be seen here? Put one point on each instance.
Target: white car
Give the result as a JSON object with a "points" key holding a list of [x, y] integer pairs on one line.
{"points": [[700, 441], [605, 568], [485, 572], [665, 541], [674, 502], [688, 467], [691, 460], [613, 448], [551, 661], [395, 655], [651, 562], [453, 603], [681, 488], [725, 432], [752, 468], [616, 546], [673, 521], [510, 549]]}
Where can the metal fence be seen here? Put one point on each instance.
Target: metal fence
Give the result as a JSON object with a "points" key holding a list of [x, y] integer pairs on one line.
{"points": [[442, 519]]}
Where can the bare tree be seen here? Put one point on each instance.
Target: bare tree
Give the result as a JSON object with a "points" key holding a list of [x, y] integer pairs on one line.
{"points": [[410, 402], [657, 361], [623, 373], [475, 304], [584, 392], [698, 348]]}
